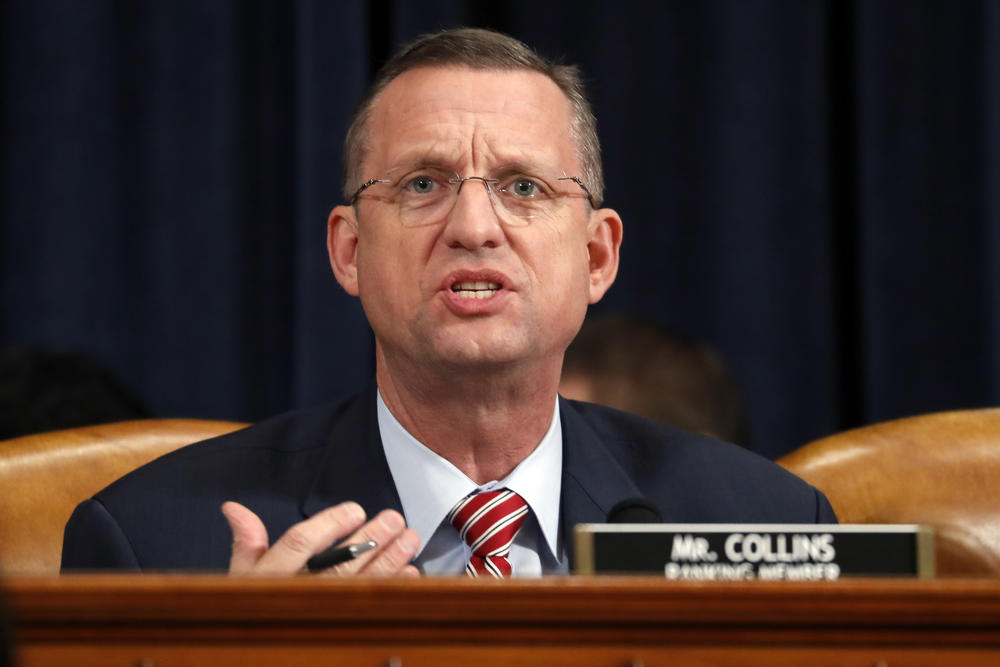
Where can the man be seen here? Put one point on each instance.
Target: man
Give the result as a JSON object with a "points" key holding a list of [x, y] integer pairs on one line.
{"points": [[636, 365], [475, 239], [43, 389]]}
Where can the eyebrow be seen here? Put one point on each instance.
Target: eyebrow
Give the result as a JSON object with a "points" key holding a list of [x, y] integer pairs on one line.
{"points": [[422, 159], [430, 157], [501, 171], [511, 168]]}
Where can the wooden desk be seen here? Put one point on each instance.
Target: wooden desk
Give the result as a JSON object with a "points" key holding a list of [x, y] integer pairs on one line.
{"points": [[210, 620]]}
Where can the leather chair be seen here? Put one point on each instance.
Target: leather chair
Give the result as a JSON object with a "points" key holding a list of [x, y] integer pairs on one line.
{"points": [[44, 476], [941, 470]]}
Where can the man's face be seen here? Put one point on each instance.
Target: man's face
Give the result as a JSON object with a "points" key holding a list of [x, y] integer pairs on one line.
{"points": [[416, 283]]}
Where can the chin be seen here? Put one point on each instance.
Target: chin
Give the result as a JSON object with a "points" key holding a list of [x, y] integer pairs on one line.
{"points": [[466, 352], [480, 357]]}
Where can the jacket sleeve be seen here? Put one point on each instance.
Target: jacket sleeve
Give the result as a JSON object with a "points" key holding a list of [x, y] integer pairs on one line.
{"points": [[93, 540], [824, 511]]}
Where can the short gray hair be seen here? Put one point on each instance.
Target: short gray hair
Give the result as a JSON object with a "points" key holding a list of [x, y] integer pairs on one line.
{"points": [[488, 50]]}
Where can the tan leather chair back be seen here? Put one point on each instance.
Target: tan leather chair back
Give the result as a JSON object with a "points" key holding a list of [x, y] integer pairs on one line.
{"points": [[940, 469], [44, 476]]}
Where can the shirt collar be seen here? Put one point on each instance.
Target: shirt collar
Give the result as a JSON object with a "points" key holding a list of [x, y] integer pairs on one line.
{"points": [[429, 485]]}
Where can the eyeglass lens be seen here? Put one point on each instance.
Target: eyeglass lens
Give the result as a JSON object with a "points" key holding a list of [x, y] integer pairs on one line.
{"points": [[427, 196]]}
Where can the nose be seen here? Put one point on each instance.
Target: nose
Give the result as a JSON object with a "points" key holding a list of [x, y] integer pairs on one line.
{"points": [[473, 222]]}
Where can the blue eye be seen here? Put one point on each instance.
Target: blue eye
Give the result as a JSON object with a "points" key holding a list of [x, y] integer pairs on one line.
{"points": [[523, 187], [420, 185]]}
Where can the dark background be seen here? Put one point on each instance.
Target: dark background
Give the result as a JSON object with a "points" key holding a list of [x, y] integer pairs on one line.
{"points": [[814, 187]]}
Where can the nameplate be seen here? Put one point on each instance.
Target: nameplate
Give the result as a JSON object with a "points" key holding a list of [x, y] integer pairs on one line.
{"points": [[737, 552]]}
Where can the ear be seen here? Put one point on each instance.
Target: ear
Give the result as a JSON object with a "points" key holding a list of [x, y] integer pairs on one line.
{"points": [[605, 240], [342, 246]]}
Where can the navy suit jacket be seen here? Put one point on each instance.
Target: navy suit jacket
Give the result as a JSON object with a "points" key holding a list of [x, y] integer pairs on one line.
{"points": [[165, 515]]}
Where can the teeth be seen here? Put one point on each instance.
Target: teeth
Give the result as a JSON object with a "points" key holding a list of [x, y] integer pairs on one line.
{"points": [[475, 289], [475, 294]]}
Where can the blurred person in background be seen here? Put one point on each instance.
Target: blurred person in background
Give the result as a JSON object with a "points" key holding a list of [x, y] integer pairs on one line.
{"points": [[632, 364], [46, 390]]}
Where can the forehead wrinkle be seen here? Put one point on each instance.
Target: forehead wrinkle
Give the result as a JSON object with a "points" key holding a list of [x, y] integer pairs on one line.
{"points": [[550, 149], [486, 131], [429, 153], [431, 141], [503, 156], [488, 153], [496, 149]]}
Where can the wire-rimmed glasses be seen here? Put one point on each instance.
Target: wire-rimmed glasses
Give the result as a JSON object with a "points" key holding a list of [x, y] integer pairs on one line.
{"points": [[427, 195]]}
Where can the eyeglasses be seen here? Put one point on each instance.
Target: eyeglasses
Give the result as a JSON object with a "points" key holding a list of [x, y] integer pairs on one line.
{"points": [[426, 196]]}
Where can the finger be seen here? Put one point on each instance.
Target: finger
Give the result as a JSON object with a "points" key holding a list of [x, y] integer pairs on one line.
{"points": [[395, 558], [249, 537], [391, 555], [410, 571], [306, 538]]}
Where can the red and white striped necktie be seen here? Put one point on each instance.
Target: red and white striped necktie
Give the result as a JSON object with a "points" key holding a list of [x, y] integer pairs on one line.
{"points": [[488, 522]]}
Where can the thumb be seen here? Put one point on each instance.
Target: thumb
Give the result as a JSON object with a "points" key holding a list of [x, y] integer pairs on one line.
{"points": [[249, 537]]}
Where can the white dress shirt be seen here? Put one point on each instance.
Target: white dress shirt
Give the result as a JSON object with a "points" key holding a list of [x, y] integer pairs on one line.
{"points": [[429, 486]]}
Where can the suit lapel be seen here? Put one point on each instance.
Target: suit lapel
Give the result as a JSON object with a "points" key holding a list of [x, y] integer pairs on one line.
{"points": [[355, 467], [592, 480]]}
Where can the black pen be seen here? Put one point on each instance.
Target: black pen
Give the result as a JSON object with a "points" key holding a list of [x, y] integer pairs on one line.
{"points": [[337, 555]]}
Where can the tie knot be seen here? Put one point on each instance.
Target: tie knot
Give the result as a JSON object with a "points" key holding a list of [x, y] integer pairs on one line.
{"points": [[488, 522]]}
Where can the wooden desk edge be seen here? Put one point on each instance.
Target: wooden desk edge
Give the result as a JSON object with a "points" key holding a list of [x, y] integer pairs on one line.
{"points": [[185, 598]]}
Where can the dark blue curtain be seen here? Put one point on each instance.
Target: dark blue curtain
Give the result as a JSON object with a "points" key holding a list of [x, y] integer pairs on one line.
{"points": [[814, 187]]}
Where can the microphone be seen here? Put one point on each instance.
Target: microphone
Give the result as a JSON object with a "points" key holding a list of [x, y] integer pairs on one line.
{"points": [[634, 510]]}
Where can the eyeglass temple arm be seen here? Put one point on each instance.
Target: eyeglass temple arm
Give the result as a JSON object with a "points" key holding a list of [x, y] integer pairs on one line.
{"points": [[578, 181], [364, 186]]}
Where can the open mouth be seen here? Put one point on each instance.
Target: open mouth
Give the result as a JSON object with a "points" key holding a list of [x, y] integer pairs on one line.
{"points": [[475, 289]]}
